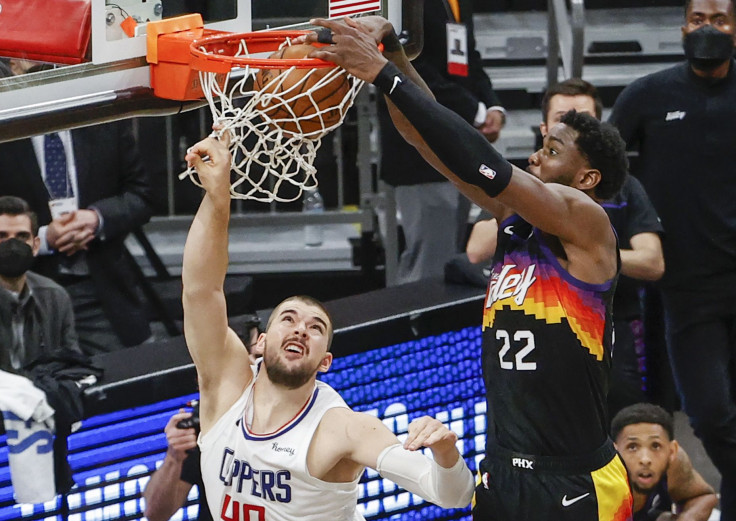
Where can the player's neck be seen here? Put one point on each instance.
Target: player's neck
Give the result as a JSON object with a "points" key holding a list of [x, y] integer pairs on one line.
{"points": [[640, 500], [274, 405]]}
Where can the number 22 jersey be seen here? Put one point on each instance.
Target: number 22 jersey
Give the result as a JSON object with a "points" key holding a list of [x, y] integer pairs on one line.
{"points": [[547, 340]]}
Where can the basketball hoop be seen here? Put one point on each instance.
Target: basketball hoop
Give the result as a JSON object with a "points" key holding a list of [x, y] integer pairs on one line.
{"points": [[276, 128]]}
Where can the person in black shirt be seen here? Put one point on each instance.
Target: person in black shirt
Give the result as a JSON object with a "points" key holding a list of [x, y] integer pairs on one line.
{"points": [[168, 488], [683, 122]]}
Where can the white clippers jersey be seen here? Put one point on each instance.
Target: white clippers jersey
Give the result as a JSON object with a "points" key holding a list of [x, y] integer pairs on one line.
{"points": [[264, 477]]}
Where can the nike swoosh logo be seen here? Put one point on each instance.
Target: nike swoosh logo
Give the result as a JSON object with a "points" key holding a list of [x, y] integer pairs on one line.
{"points": [[509, 230], [397, 82], [567, 502]]}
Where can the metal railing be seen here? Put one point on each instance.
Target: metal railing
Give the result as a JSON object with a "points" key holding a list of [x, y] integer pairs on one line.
{"points": [[565, 39]]}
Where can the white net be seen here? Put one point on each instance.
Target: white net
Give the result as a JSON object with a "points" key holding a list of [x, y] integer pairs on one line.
{"points": [[276, 131]]}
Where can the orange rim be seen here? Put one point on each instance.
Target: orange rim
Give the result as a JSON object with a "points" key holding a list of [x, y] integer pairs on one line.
{"points": [[221, 49]]}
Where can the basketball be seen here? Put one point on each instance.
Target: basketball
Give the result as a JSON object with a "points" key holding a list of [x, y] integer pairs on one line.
{"points": [[296, 105]]}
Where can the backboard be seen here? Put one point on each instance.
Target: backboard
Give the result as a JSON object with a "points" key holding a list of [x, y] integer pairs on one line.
{"points": [[113, 80]]}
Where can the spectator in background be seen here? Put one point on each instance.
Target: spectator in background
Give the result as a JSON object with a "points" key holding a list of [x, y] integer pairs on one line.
{"points": [[168, 488], [36, 314], [638, 228], [683, 122], [89, 190], [433, 215], [37, 335], [660, 471]]}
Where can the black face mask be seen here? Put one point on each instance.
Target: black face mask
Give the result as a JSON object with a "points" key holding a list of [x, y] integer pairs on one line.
{"points": [[707, 48], [16, 258]]}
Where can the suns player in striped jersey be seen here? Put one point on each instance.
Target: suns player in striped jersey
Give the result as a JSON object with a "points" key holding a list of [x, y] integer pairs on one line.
{"points": [[277, 444], [547, 319]]}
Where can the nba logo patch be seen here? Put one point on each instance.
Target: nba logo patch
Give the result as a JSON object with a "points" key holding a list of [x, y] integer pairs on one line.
{"points": [[487, 171], [485, 478]]}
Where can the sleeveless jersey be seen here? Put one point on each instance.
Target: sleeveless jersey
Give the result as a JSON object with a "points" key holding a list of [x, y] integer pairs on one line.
{"points": [[264, 477], [546, 349]]}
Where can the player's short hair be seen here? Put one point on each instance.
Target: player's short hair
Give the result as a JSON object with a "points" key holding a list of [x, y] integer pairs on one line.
{"points": [[642, 413], [603, 147], [11, 205], [572, 87], [312, 302]]}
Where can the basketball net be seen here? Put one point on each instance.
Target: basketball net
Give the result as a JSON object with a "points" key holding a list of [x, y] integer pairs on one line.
{"points": [[272, 157]]}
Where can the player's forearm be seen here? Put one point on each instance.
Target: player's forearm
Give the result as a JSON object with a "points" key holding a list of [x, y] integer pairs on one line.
{"points": [[642, 264], [468, 157], [698, 508], [447, 487], [163, 493], [206, 249]]}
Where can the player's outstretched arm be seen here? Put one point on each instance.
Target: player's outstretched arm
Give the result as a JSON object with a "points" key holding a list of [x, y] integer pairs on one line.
{"points": [[458, 151], [221, 359], [694, 497], [364, 441]]}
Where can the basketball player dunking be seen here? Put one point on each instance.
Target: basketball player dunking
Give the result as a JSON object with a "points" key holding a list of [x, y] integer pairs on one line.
{"points": [[547, 318], [276, 443]]}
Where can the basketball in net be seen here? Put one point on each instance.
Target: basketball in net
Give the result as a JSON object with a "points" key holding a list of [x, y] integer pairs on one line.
{"points": [[276, 105], [301, 100]]}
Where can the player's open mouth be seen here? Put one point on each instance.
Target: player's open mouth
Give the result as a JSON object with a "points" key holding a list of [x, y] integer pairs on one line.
{"points": [[645, 477], [292, 347]]}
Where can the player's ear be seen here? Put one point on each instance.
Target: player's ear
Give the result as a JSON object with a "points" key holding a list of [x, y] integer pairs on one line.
{"points": [[36, 245], [543, 128], [261, 342], [324, 366], [588, 179], [674, 449]]}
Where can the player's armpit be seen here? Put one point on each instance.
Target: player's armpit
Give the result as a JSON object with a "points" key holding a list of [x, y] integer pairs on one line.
{"points": [[448, 488]]}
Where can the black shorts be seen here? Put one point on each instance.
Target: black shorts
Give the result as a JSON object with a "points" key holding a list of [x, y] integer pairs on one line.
{"points": [[518, 487]]}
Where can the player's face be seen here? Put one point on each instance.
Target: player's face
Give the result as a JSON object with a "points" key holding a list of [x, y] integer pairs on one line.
{"points": [[560, 104], [559, 160], [647, 451], [296, 344]]}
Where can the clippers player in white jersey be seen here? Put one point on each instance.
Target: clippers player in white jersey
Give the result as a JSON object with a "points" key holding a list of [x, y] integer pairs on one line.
{"points": [[277, 444]]}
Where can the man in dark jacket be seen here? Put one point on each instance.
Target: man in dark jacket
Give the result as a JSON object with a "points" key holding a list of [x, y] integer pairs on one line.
{"points": [[89, 190], [433, 216], [36, 314]]}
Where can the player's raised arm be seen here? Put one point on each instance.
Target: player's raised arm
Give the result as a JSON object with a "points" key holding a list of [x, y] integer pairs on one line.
{"points": [[223, 367], [463, 156]]}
